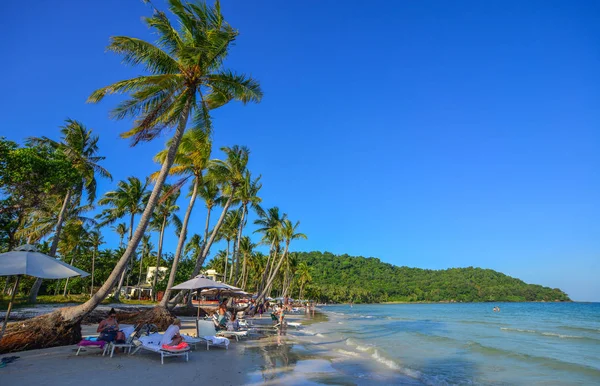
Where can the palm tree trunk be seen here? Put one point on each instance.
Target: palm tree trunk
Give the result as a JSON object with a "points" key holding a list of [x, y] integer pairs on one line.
{"points": [[213, 235], [236, 248], [261, 284], [93, 268], [78, 312], [120, 285], [67, 282], [267, 289], [158, 256], [226, 263], [180, 243], [59, 223]]}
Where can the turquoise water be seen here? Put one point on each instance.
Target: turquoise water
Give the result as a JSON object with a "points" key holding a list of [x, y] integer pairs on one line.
{"points": [[440, 344]]}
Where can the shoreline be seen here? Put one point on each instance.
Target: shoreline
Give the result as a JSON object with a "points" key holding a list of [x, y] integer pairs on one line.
{"points": [[245, 362]]}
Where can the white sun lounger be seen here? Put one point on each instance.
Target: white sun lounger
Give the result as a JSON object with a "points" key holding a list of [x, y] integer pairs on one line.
{"points": [[236, 334], [152, 343], [205, 330]]}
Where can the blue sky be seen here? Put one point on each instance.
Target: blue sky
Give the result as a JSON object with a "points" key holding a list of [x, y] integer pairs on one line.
{"points": [[429, 134]]}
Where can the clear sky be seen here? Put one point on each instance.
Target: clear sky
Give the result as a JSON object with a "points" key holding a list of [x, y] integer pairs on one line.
{"points": [[430, 134]]}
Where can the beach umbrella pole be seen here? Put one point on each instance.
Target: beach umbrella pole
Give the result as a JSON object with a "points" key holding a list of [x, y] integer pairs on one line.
{"points": [[198, 305], [12, 298]]}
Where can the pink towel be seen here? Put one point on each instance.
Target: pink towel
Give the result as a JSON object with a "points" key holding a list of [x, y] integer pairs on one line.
{"points": [[99, 343]]}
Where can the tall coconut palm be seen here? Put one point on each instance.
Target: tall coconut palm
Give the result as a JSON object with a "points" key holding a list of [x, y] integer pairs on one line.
{"points": [[146, 246], [304, 277], [128, 198], [75, 237], [288, 232], [229, 174], [247, 195], [80, 147], [191, 160], [270, 225], [246, 250], [228, 232], [164, 215], [95, 239], [121, 230], [187, 78]]}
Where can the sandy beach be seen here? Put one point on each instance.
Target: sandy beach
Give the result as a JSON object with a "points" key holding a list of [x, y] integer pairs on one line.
{"points": [[297, 356]]}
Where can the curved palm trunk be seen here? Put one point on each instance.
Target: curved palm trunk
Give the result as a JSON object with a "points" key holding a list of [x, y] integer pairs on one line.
{"points": [[158, 256], [213, 235], [78, 312], [59, 223], [267, 289], [182, 237], [120, 285], [236, 248]]}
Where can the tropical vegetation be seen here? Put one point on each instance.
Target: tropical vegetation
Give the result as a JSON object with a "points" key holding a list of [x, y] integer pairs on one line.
{"points": [[343, 278]]}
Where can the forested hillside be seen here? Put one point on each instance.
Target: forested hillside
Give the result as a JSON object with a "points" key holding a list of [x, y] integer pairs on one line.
{"points": [[346, 278]]}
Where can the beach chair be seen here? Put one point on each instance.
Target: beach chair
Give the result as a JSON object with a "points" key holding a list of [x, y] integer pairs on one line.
{"points": [[205, 330], [128, 345], [91, 343], [152, 343], [236, 334]]}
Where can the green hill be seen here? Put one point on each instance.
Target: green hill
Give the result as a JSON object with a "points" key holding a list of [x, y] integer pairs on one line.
{"points": [[346, 278]]}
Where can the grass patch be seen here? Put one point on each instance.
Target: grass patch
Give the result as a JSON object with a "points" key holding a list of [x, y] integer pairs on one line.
{"points": [[21, 301]]}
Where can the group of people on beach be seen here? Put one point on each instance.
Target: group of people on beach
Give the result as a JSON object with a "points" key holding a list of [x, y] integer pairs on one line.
{"points": [[110, 332]]}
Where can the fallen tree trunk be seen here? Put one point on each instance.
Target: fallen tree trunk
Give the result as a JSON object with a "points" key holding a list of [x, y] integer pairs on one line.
{"points": [[43, 331]]}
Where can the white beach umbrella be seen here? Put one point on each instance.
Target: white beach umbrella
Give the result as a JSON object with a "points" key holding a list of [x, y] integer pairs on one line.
{"points": [[26, 260], [199, 282]]}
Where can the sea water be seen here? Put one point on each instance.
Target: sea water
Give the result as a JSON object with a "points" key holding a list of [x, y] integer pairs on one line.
{"points": [[444, 344]]}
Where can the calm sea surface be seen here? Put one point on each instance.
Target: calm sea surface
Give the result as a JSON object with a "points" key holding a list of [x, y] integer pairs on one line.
{"points": [[439, 344]]}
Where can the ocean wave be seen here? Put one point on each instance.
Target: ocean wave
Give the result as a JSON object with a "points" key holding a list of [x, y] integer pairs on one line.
{"points": [[348, 353], [552, 363], [551, 334], [583, 329]]}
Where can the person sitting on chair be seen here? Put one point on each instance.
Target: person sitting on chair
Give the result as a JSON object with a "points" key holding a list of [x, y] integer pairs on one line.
{"points": [[220, 320], [109, 329], [172, 336]]}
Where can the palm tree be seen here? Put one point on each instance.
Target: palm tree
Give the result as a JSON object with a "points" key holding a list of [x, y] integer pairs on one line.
{"points": [[191, 160], [290, 265], [75, 236], [164, 215], [304, 277], [193, 247], [246, 250], [121, 230], [228, 232], [229, 175], [187, 79], [288, 232], [128, 199], [247, 195], [270, 223], [81, 149], [95, 240], [147, 247]]}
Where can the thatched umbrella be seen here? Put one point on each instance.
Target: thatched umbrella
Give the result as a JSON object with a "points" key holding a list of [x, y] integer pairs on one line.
{"points": [[26, 260]]}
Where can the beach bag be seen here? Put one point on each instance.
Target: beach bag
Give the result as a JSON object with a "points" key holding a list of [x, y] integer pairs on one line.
{"points": [[108, 335]]}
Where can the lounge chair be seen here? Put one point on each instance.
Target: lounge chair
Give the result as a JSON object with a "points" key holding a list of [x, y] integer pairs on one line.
{"points": [[205, 329], [131, 333], [102, 345], [152, 343]]}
